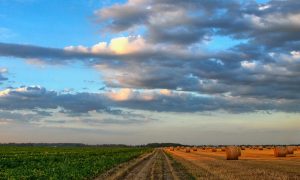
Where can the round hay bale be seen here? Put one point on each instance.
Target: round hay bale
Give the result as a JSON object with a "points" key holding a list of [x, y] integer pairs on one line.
{"points": [[290, 149], [177, 148], [243, 148], [171, 148], [239, 151], [194, 148], [223, 149], [280, 151], [260, 148], [213, 150], [232, 153], [188, 149]]}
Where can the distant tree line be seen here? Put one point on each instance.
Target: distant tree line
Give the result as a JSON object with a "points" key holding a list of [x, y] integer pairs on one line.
{"points": [[152, 145]]}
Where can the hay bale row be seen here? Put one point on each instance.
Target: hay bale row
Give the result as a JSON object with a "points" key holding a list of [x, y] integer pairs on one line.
{"points": [[233, 152]]}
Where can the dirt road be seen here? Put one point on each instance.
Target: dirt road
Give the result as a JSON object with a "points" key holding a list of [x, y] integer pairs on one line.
{"points": [[156, 166]]}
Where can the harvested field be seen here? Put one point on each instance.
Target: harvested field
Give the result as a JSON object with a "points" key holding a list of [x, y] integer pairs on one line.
{"points": [[252, 164]]}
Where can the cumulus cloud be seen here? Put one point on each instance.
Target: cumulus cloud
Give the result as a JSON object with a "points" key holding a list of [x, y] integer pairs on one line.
{"points": [[119, 46], [38, 99], [10, 117], [245, 70], [49, 55], [166, 54], [184, 22]]}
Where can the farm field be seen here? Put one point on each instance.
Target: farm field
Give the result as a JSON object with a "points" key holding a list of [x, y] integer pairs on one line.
{"points": [[155, 166], [252, 164], [113, 163], [62, 162]]}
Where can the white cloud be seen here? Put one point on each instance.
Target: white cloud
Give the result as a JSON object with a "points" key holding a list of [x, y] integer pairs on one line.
{"points": [[264, 7], [118, 45], [295, 54], [4, 92], [3, 70], [80, 48], [99, 48], [121, 95], [248, 64], [126, 45], [166, 92]]}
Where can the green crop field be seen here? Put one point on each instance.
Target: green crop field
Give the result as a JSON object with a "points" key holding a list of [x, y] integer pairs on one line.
{"points": [[61, 162]]}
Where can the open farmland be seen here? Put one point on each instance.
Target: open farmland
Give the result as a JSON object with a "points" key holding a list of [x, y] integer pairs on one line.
{"points": [[115, 163], [252, 164], [62, 162]]}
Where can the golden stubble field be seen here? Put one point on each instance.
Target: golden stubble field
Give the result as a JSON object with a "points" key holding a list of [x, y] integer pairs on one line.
{"points": [[252, 164]]}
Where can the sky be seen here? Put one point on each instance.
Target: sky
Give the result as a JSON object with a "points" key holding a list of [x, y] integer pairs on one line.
{"points": [[143, 71]]}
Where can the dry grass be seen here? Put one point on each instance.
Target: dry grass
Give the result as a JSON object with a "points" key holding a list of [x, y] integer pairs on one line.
{"points": [[252, 164]]}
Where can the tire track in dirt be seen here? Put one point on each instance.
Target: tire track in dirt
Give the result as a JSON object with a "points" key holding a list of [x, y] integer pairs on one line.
{"points": [[155, 166], [169, 170], [143, 170]]}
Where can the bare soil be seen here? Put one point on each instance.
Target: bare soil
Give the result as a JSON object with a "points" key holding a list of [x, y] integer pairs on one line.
{"points": [[155, 166]]}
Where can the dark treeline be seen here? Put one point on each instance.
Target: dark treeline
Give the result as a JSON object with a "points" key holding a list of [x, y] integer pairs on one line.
{"points": [[153, 145], [62, 145]]}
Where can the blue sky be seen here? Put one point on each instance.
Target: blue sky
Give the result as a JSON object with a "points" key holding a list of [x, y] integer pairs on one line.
{"points": [[59, 24], [51, 24], [66, 22], [114, 70]]}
